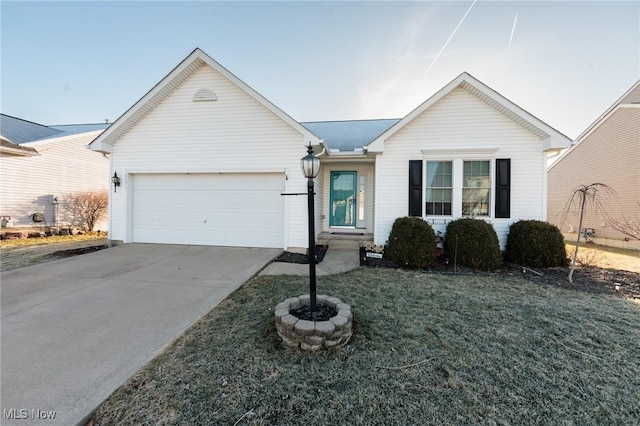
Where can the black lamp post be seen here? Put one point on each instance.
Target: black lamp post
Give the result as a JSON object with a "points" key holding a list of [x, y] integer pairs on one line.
{"points": [[310, 165]]}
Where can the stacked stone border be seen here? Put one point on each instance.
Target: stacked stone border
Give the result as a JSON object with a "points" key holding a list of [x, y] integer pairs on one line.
{"points": [[313, 335]]}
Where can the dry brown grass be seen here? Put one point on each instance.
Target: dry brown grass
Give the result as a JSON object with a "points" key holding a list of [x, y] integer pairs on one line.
{"points": [[606, 257], [426, 349], [26, 242]]}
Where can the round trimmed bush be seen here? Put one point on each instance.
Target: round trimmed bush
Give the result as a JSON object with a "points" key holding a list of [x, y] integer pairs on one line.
{"points": [[412, 243], [474, 243], [535, 244]]}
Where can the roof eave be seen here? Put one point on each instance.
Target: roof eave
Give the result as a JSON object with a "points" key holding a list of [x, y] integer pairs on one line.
{"points": [[556, 140], [550, 144], [100, 146]]}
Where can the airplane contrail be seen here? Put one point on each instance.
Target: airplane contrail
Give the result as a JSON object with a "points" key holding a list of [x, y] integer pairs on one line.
{"points": [[513, 30], [449, 39]]}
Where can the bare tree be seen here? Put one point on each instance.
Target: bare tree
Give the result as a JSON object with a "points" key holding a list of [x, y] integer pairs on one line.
{"points": [[629, 225], [89, 206], [581, 199]]}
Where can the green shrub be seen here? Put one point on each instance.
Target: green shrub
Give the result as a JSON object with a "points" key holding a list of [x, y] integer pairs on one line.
{"points": [[535, 244], [473, 243], [411, 244]]}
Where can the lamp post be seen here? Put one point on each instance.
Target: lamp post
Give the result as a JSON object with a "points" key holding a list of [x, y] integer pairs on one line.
{"points": [[310, 165]]}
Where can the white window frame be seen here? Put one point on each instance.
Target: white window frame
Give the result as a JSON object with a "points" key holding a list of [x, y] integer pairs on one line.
{"points": [[490, 207], [457, 158], [425, 187]]}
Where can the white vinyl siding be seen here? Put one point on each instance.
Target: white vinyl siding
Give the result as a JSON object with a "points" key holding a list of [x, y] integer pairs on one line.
{"points": [[234, 134], [65, 165], [460, 122]]}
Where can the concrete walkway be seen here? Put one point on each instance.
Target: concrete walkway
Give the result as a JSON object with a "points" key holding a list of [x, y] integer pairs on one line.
{"points": [[342, 256], [74, 330]]}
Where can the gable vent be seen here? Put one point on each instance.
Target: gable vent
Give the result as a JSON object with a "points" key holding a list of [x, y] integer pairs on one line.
{"points": [[204, 95]]}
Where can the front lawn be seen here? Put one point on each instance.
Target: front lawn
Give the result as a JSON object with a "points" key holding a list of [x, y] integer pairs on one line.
{"points": [[426, 349], [54, 239]]}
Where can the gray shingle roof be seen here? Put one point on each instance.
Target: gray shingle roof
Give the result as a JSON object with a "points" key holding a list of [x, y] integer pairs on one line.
{"points": [[349, 135], [20, 131], [74, 129]]}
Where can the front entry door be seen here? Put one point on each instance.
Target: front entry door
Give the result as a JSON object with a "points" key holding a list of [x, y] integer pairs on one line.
{"points": [[343, 199]]}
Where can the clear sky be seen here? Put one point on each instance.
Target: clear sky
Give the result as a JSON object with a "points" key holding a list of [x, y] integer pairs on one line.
{"points": [[84, 62]]}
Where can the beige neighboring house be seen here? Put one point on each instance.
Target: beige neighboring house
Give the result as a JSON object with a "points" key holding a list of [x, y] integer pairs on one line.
{"points": [[607, 152]]}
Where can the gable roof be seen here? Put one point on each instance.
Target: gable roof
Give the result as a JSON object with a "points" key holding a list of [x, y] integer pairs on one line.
{"points": [[168, 84], [74, 129], [349, 135], [551, 138], [18, 131], [631, 98]]}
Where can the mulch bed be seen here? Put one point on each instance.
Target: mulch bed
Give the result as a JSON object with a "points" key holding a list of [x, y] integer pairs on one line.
{"points": [[289, 257], [78, 251], [586, 279], [323, 313]]}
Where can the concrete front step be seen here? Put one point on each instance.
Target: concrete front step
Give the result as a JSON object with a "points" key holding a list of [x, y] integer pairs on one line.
{"points": [[336, 239]]}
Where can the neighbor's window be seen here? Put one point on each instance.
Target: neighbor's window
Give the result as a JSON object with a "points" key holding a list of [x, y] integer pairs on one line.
{"points": [[439, 188], [476, 187]]}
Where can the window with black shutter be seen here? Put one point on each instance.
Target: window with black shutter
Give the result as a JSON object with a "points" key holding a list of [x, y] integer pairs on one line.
{"points": [[503, 188], [415, 188]]}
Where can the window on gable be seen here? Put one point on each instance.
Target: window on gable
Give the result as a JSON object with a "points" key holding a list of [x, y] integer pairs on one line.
{"points": [[476, 188], [439, 187]]}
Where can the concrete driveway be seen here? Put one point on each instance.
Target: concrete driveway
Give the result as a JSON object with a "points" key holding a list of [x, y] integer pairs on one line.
{"points": [[75, 329]]}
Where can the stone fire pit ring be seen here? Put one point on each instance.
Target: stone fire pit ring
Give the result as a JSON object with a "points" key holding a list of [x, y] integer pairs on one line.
{"points": [[313, 335]]}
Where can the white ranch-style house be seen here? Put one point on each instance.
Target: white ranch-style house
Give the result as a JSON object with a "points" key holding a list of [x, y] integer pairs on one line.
{"points": [[204, 159]]}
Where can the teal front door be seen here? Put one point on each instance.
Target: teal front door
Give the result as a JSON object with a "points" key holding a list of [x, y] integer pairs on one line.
{"points": [[343, 199]]}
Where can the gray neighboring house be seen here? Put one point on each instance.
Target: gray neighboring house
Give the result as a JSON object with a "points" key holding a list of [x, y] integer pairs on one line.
{"points": [[40, 166], [608, 152]]}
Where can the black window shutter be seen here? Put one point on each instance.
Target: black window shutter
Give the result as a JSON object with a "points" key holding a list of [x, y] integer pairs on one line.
{"points": [[415, 187], [503, 188]]}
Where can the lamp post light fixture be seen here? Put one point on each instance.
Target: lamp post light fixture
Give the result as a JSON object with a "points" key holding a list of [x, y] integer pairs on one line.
{"points": [[310, 165], [116, 181]]}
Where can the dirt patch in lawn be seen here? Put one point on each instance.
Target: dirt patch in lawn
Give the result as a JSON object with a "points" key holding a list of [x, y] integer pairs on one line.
{"points": [[78, 251], [22, 256], [587, 278]]}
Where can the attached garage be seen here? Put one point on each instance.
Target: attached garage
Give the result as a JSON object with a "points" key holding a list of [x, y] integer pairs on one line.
{"points": [[203, 159], [243, 210]]}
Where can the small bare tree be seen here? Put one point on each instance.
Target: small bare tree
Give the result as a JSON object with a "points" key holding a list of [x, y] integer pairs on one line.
{"points": [[582, 198], [89, 206], [629, 225]]}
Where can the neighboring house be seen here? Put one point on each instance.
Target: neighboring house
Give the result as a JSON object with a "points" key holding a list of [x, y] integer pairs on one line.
{"points": [[40, 166], [607, 152], [204, 159]]}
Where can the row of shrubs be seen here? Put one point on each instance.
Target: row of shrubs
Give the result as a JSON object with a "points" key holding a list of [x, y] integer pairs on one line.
{"points": [[474, 243]]}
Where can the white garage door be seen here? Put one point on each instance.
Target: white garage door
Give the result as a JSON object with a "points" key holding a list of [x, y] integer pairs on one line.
{"points": [[242, 210]]}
